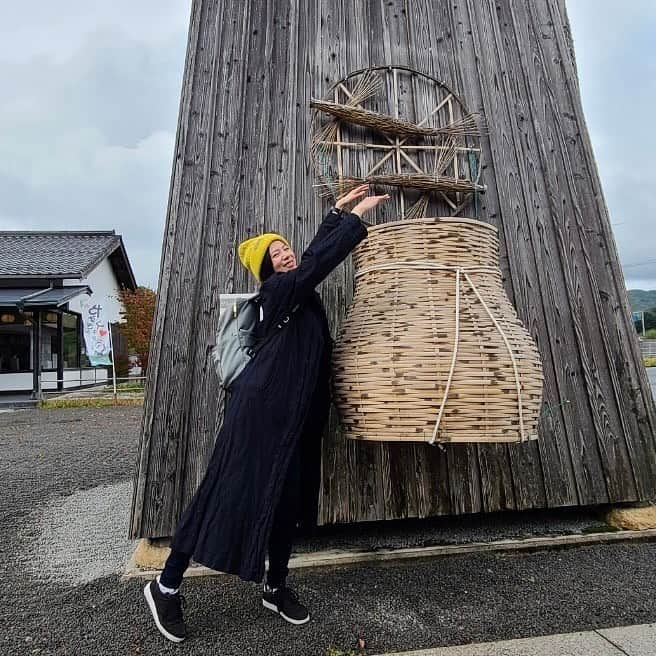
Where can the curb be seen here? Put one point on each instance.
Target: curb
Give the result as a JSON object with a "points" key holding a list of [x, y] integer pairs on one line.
{"points": [[337, 557]]}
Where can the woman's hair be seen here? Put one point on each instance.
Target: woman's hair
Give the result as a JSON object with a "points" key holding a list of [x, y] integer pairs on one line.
{"points": [[266, 270]]}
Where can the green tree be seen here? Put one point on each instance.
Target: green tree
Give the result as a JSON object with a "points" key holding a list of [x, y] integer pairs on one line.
{"points": [[650, 321]]}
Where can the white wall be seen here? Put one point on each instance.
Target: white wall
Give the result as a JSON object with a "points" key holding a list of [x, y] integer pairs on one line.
{"points": [[16, 382], [75, 377], [105, 290], [72, 378]]}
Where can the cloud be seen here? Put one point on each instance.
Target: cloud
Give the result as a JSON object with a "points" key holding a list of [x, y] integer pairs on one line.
{"points": [[86, 142], [617, 73], [58, 30], [90, 101]]}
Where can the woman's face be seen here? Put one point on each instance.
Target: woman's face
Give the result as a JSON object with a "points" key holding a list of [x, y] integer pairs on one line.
{"points": [[282, 257]]}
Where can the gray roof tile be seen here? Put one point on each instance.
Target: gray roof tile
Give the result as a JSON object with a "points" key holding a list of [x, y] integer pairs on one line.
{"points": [[53, 254]]}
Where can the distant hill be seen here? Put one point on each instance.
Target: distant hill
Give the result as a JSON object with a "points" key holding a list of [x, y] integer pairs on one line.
{"points": [[642, 300]]}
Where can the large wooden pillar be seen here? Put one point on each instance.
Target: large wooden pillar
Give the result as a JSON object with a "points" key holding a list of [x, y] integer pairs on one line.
{"points": [[241, 166]]}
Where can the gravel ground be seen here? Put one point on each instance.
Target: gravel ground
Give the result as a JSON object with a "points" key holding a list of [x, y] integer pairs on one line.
{"points": [[66, 478], [63, 527]]}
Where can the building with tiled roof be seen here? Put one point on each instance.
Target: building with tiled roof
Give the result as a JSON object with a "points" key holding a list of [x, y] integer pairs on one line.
{"points": [[46, 278]]}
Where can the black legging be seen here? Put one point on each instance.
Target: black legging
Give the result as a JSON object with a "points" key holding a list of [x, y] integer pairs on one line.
{"points": [[280, 540]]}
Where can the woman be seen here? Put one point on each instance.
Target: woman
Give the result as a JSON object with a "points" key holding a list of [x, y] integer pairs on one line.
{"points": [[249, 499]]}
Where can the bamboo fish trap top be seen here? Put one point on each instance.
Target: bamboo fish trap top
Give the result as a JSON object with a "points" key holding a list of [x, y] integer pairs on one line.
{"points": [[431, 348]]}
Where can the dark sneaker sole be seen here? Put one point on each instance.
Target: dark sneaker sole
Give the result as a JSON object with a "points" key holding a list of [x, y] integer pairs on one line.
{"points": [[153, 609], [274, 608]]}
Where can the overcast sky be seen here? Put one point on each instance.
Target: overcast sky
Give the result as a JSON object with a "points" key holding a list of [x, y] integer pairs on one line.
{"points": [[89, 107]]}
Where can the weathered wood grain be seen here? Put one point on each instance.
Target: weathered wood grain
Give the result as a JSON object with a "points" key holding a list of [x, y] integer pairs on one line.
{"points": [[609, 294], [539, 280], [497, 489], [163, 427], [512, 218], [241, 165]]}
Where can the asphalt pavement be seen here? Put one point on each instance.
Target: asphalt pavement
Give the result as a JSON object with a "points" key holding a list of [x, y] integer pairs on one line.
{"points": [[66, 478]]}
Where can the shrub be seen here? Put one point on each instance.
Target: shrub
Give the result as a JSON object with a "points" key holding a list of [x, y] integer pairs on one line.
{"points": [[138, 315]]}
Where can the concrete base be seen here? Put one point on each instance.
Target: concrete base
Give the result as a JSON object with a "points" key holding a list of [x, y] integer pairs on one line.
{"points": [[632, 519], [636, 640], [11, 401], [149, 552]]}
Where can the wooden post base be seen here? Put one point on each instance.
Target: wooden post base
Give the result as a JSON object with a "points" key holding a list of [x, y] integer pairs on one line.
{"points": [[632, 519], [151, 554]]}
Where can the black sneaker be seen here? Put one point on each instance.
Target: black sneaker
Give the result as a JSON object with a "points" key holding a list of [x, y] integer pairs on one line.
{"points": [[167, 612], [284, 601]]}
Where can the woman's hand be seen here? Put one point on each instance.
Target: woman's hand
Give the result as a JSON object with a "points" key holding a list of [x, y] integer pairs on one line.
{"points": [[368, 203], [352, 195]]}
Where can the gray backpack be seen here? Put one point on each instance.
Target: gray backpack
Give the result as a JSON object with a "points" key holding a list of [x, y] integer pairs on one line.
{"points": [[236, 336]]}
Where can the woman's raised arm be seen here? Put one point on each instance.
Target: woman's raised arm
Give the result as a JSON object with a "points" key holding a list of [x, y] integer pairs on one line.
{"points": [[323, 255], [331, 219]]}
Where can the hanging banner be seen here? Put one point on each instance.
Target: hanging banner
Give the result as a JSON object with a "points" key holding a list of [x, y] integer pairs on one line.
{"points": [[96, 332]]}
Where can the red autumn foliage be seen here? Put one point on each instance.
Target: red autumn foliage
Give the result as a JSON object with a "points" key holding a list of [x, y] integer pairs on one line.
{"points": [[138, 315]]}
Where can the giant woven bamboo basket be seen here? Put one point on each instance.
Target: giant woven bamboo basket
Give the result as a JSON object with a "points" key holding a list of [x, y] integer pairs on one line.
{"points": [[431, 349]]}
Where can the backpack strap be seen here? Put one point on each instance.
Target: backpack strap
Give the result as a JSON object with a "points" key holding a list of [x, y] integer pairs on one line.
{"points": [[252, 352]]}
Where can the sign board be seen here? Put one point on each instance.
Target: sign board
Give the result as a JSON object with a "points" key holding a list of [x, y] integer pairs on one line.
{"points": [[96, 332]]}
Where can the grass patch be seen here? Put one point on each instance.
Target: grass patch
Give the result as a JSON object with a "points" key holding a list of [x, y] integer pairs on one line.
{"points": [[57, 404], [130, 387], [650, 362]]}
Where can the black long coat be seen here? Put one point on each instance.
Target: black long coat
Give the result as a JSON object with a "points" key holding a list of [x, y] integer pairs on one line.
{"points": [[281, 397]]}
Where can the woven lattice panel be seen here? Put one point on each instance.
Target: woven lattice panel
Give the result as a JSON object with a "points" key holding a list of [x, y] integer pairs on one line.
{"points": [[406, 134]]}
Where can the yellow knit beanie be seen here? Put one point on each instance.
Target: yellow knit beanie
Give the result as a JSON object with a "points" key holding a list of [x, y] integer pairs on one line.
{"points": [[252, 251]]}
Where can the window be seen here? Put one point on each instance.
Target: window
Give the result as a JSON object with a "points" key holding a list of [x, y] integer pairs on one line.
{"points": [[15, 341], [71, 352], [84, 359], [49, 346]]}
